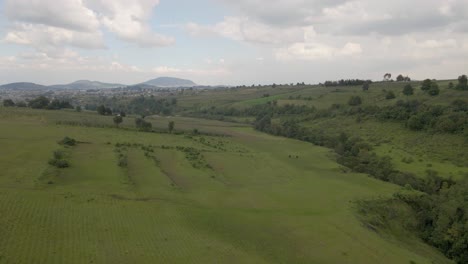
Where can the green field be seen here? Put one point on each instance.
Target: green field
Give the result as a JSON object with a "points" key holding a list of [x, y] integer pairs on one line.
{"points": [[246, 197]]}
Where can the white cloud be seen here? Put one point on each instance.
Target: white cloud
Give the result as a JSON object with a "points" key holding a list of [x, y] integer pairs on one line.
{"points": [[248, 30], [129, 20], [69, 14], [316, 51], [48, 25], [44, 37]]}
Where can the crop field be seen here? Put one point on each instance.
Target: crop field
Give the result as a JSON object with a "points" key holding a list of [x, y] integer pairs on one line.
{"points": [[228, 194]]}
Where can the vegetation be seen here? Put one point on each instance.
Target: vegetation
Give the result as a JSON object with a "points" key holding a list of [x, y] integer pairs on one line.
{"points": [[222, 190]]}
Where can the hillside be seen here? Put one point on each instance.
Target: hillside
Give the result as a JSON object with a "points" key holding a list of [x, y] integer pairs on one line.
{"points": [[143, 197], [23, 86], [86, 84], [170, 82]]}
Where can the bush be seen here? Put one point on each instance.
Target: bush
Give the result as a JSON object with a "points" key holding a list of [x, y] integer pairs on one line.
{"points": [[59, 163], [355, 100], [390, 95], [67, 141]]}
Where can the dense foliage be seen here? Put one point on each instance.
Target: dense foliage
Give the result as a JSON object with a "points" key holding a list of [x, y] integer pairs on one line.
{"points": [[348, 82]]}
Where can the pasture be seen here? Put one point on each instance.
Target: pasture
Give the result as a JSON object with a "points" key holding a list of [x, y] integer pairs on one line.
{"points": [[246, 197]]}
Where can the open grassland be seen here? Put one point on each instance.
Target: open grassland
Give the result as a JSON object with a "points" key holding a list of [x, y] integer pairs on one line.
{"points": [[245, 198]]}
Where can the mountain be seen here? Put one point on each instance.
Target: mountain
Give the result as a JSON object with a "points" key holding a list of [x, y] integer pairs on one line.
{"points": [[23, 86], [85, 84], [170, 82]]}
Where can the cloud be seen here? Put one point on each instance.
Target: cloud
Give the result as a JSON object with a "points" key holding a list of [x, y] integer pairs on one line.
{"points": [[350, 17], [316, 51], [129, 20], [69, 14], [44, 37], [49, 25], [166, 70], [247, 30]]}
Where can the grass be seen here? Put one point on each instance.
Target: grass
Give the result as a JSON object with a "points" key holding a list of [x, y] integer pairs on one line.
{"points": [[256, 204]]}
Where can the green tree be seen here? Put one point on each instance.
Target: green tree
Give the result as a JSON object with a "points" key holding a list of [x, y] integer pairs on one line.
{"points": [[170, 126], [8, 103], [434, 90], [408, 90], [400, 78], [462, 83], [78, 108], [426, 85], [117, 120], [101, 110], [142, 125], [40, 102]]}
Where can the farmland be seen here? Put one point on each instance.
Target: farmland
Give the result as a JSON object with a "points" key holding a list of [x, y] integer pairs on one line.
{"points": [[228, 194]]}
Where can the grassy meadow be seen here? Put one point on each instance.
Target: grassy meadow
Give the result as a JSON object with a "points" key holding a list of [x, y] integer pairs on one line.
{"points": [[245, 197]]}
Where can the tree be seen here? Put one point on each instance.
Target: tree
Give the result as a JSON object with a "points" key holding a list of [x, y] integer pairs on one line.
{"points": [[143, 125], [117, 120], [40, 102], [408, 90], [426, 85], [355, 100], [462, 83], [8, 103], [434, 89], [78, 108], [387, 76], [400, 78], [170, 126], [365, 86], [450, 85], [101, 110]]}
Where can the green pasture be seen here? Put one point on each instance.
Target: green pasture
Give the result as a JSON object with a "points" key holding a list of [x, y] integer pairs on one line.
{"points": [[242, 198]]}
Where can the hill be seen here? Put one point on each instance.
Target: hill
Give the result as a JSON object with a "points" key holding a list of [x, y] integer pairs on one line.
{"points": [[170, 82], [86, 84], [23, 86], [141, 197]]}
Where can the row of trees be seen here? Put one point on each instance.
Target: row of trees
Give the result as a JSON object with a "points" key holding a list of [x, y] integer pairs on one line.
{"points": [[347, 82], [40, 102]]}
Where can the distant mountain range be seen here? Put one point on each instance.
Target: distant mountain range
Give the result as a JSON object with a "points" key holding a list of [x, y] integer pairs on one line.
{"points": [[161, 82]]}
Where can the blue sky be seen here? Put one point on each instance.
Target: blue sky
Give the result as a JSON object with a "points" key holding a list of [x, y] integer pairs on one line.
{"points": [[231, 42]]}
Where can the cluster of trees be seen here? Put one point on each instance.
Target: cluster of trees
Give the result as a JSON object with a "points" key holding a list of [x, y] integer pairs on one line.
{"points": [[143, 125], [419, 116], [271, 108], [430, 87], [152, 105], [401, 78], [40, 102], [347, 82], [103, 110]]}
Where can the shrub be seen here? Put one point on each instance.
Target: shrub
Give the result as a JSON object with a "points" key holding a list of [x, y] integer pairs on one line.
{"points": [[59, 163], [67, 141], [390, 95]]}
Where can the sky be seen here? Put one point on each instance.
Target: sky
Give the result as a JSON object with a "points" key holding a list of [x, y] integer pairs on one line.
{"points": [[231, 42]]}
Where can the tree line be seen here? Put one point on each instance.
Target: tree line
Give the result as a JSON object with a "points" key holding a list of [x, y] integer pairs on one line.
{"points": [[40, 102]]}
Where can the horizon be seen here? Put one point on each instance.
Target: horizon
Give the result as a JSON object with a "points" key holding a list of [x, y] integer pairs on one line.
{"points": [[230, 43]]}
